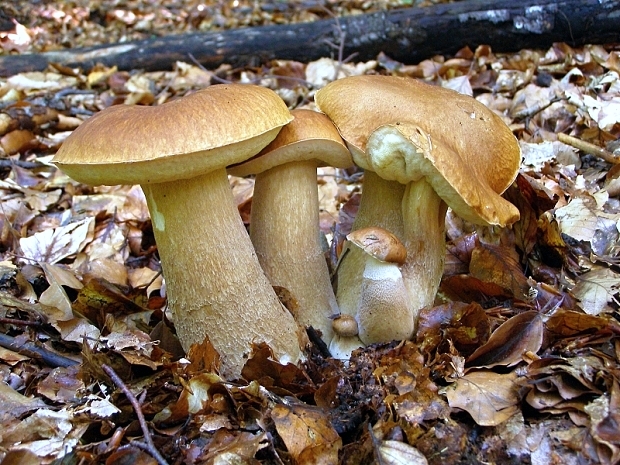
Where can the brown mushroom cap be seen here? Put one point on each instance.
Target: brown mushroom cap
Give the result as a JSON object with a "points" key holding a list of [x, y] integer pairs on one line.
{"points": [[466, 151], [345, 326], [312, 136], [140, 145], [379, 243]]}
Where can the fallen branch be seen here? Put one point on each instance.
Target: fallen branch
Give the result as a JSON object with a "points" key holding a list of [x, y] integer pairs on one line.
{"points": [[408, 35], [148, 444], [589, 148], [30, 349]]}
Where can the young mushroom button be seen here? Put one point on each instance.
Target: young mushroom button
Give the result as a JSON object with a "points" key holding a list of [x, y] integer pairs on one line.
{"points": [[383, 312], [285, 213], [178, 153]]}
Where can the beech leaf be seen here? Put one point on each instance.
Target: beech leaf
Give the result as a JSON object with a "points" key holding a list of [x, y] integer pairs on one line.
{"points": [[506, 346], [499, 265], [490, 398], [307, 433]]}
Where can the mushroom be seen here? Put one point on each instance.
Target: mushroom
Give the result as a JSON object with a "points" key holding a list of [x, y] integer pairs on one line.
{"points": [[285, 213], [345, 339], [178, 153], [445, 147], [383, 311]]}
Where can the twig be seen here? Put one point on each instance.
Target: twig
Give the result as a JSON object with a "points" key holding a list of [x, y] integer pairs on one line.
{"points": [[8, 163], [149, 446], [376, 445], [30, 349], [587, 147]]}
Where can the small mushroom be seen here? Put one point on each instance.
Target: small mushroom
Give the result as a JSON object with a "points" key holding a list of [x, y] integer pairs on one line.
{"points": [[178, 153], [345, 339], [345, 326], [285, 213], [383, 312]]}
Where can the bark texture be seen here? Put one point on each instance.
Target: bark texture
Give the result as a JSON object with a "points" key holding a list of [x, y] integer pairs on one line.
{"points": [[408, 35]]}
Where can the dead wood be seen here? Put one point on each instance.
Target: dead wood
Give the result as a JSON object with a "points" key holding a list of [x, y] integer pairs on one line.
{"points": [[408, 35]]}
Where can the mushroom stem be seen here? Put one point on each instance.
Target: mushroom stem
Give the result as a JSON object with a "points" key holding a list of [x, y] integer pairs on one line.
{"points": [[216, 285], [383, 312], [286, 236], [381, 206], [424, 214]]}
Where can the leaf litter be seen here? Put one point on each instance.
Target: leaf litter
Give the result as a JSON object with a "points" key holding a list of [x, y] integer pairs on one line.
{"points": [[517, 361]]}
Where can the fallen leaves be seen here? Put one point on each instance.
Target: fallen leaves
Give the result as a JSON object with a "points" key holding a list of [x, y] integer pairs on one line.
{"points": [[307, 433], [490, 398], [527, 346]]}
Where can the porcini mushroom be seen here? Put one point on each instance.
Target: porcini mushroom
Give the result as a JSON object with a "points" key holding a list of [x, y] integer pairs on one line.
{"points": [[447, 148], [178, 153], [383, 311], [285, 213], [345, 339]]}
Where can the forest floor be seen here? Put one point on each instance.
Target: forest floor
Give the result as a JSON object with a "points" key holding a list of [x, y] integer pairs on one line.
{"points": [[518, 361]]}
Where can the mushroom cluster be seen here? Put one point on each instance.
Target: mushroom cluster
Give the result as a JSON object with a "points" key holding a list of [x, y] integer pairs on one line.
{"points": [[444, 148], [178, 152], [423, 149]]}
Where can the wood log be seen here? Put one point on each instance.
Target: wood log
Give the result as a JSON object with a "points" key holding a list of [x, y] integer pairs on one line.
{"points": [[407, 35]]}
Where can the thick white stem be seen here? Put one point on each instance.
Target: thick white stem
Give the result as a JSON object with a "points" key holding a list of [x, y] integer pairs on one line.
{"points": [[215, 285], [286, 235], [383, 313], [424, 216], [380, 206]]}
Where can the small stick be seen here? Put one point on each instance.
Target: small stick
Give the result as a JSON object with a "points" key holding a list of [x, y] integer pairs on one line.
{"points": [[587, 147], [149, 446], [30, 349]]}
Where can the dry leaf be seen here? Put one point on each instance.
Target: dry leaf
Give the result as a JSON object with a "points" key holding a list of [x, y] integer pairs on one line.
{"points": [[307, 433], [399, 453], [490, 398], [595, 290], [499, 265], [520, 334], [52, 245]]}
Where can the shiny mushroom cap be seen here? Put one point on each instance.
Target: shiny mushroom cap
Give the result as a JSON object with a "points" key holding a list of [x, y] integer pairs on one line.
{"points": [[180, 139], [380, 244], [404, 130], [345, 326], [310, 136]]}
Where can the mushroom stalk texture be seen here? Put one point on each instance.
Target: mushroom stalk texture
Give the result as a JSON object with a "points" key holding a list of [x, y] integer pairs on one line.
{"points": [[381, 206], [288, 243], [212, 295], [285, 226], [424, 214], [383, 310]]}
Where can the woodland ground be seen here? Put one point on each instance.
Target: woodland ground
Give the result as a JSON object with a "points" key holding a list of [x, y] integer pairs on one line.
{"points": [[518, 362]]}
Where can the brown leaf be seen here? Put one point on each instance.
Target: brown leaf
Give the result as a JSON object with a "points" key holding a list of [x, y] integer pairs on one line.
{"points": [[307, 433], [203, 357], [499, 265], [567, 323], [458, 254], [99, 298], [466, 326], [469, 289], [281, 379], [490, 398], [506, 346], [526, 228]]}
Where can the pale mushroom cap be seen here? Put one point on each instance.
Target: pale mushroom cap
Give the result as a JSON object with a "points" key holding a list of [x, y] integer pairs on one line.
{"points": [[310, 136], [380, 244], [469, 151], [193, 135]]}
